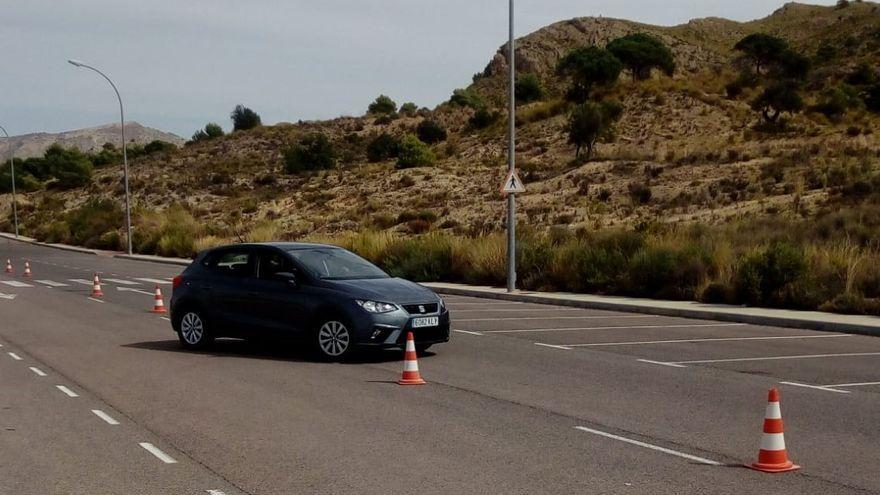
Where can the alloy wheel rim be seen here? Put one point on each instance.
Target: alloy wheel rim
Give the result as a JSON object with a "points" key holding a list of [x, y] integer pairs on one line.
{"points": [[333, 338], [191, 328]]}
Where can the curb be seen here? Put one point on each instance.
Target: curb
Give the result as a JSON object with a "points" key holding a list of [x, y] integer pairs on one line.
{"points": [[717, 313], [154, 259], [63, 247]]}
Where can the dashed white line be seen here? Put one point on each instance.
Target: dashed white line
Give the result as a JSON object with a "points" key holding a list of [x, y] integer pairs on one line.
{"points": [[468, 332], [37, 371], [154, 281], [67, 391], [215, 492], [95, 299], [564, 348], [15, 283], [649, 446], [52, 283], [726, 339], [662, 363], [106, 417], [81, 281], [162, 456], [817, 387], [635, 327], [556, 318], [120, 281], [14, 356], [778, 358]]}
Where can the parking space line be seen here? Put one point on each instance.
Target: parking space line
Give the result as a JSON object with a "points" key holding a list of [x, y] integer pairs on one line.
{"points": [[120, 281], [634, 327], [81, 281], [162, 456], [15, 283], [51, 283], [662, 363], [37, 371], [215, 492], [154, 281], [67, 391], [95, 299], [564, 348], [816, 387], [777, 358], [14, 356], [649, 446], [557, 318], [514, 310], [106, 417], [725, 339], [842, 385], [468, 332]]}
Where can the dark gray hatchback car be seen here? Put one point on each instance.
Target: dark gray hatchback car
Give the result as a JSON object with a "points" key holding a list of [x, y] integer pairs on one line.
{"points": [[324, 296]]}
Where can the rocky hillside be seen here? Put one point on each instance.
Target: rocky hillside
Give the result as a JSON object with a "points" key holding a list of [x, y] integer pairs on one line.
{"points": [[684, 149], [90, 139]]}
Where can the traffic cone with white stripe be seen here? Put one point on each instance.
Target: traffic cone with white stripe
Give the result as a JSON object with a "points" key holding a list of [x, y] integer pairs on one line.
{"points": [[96, 287], [411, 374], [8, 265], [158, 304], [773, 458], [27, 270]]}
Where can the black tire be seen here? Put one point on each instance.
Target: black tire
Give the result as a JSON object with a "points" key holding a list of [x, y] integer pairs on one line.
{"points": [[192, 329], [422, 348], [333, 340]]}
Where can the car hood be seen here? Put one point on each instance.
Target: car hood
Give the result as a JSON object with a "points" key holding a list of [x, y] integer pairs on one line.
{"points": [[394, 290]]}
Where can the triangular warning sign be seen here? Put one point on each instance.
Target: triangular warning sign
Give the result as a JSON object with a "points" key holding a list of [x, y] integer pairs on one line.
{"points": [[512, 184]]}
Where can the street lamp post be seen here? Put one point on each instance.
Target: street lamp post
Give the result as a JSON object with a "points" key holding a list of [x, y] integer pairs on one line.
{"points": [[77, 63], [12, 175], [511, 165]]}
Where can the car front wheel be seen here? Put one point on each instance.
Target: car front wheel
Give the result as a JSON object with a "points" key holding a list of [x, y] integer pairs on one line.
{"points": [[193, 332], [333, 340]]}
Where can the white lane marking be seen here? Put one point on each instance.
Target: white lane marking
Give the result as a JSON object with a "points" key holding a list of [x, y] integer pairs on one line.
{"points": [[634, 327], [553, 346], [863, 384], [725, 339], [14, 356], [215, 492], [51, 283], [165, 318], [7, 296], [557, 318], [67, 391], [15, 283], [128, 289], [817, 387], [484, 305], [514, 310], [38, 371], [167, 459], [777, 358], [650, 446], [154, 281], [120, 281], [662, 363], [106, 417], [95, 299], [468, 332], [81, 281]]}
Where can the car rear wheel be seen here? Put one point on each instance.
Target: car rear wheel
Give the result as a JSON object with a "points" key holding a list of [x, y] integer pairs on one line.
{"points": [[333, 340], [193, 332]]}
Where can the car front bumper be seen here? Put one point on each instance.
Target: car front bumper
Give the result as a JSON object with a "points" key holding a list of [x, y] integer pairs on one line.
{"points": [[389, 330]]}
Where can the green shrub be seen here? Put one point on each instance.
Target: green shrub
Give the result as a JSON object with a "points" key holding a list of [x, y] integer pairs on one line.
{"points": [[430, 132], [313, 152], [70, 167], [158, 146], [409, 109], [588, 68], [382, 105], [762, 275], [483, 118], [641, 53], [528, 89], [414, 153], [419, 259], [383, 147], [467, 98], [243, 118], [90, 222]]}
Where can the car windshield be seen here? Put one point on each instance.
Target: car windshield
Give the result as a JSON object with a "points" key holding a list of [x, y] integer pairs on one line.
{"points": [[336, 264]]}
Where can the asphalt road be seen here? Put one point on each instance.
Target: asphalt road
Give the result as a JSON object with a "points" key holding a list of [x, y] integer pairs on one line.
{"points": [[525, 399]]}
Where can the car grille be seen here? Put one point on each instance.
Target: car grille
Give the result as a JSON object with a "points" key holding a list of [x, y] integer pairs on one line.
{"points": [[417, 309]]}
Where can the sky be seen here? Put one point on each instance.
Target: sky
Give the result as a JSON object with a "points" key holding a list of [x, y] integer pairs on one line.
{"points": [[182, 63]]}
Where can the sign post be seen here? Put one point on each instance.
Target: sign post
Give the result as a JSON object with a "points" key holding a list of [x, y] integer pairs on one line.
{"points": [[511, 197]]}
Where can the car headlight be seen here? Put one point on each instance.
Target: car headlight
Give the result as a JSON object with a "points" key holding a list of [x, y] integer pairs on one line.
{"points": [[376, 307], [442, 302]]}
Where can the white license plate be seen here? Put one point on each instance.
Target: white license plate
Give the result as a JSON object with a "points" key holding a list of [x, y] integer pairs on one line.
{"points": [[430, 321]]}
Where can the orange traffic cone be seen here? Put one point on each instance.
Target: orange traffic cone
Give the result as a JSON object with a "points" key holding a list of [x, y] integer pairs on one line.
{"points": [[8, 265], [158, 305], [96, 287], [411, 374], [27, 270], [773, 458]]}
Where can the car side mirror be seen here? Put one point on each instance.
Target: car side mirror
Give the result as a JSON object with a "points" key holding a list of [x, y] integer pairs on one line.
{"points": [[288, 277]]}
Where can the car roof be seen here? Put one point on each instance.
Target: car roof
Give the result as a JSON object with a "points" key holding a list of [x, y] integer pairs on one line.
{"points": [[287, 246]]}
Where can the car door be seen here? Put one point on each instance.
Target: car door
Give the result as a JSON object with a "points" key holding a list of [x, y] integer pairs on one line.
{"points": [[277, 303], [232, 270]]}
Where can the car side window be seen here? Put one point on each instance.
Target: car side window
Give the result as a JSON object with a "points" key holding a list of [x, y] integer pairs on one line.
{"points": [[233, 263], [272, 263]]}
